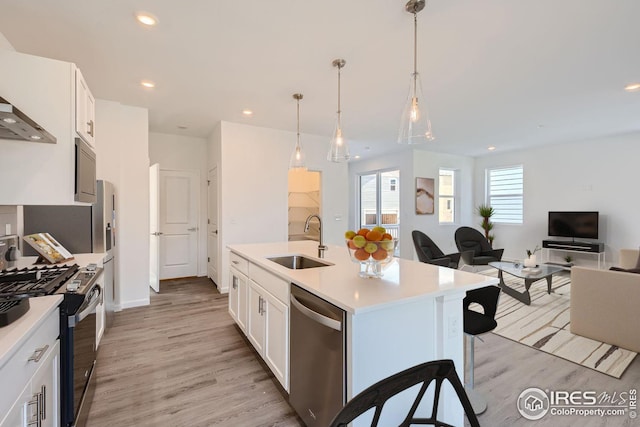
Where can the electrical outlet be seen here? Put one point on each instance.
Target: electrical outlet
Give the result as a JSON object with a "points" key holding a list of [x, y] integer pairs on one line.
{"points": [[453, 326]]}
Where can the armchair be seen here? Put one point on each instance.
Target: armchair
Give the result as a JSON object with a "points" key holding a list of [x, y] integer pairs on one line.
{"points": [[475, 248], [430, 253]]}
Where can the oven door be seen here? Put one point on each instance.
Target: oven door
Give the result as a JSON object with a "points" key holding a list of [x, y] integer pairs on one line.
{"points": [[82, 326]]}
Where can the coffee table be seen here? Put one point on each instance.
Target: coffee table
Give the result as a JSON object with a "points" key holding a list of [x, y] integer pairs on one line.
{"points": [[530, 276]]}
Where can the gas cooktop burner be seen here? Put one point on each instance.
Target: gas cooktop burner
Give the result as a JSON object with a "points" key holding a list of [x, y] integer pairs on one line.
{"points": [[34, 281]]}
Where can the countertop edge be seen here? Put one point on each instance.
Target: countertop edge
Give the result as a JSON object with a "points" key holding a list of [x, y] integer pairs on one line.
{"points": [[17, 333]]}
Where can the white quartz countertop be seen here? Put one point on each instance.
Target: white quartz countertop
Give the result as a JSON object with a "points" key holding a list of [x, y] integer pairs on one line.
{"points": [[80, 259], [16, 333], [403, 281]]}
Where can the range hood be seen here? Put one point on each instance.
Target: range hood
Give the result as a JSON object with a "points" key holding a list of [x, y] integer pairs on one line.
{"points": [[14, 124]]}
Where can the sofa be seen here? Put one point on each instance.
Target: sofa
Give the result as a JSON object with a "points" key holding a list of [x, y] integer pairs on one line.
{"points": [[605, 304]]}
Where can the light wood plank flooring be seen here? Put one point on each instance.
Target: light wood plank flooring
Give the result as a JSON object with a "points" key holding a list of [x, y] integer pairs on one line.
{"points": [[182, 362]]}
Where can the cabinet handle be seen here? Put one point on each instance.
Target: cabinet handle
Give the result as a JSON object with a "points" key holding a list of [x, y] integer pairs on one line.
{"points": [[192, 229], [235, 262], [90, 127], [43, 405], [235, 282], [37, 355], [35, 401]]}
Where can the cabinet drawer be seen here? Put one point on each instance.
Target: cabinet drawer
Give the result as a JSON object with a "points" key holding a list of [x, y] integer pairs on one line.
{"points": [[275, 285], [19, 369], [238, 262]]}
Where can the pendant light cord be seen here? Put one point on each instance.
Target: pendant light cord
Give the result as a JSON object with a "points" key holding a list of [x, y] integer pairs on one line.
{"points": [[415, 52], [298, 117], [339, 121]]}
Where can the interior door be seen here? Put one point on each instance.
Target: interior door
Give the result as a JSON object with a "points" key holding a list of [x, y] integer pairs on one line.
{"points": [[154, 227], [179, 201], [212, 226]]}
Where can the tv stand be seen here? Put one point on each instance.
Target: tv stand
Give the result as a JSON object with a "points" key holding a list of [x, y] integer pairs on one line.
{"points": [[595, 248]]}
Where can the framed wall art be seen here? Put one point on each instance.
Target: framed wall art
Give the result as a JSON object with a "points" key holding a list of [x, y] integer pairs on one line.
{"points": [[424, 196]]}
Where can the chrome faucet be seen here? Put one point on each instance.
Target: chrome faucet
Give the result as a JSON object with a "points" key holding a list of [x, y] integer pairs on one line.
{"points": [[321, 246]]}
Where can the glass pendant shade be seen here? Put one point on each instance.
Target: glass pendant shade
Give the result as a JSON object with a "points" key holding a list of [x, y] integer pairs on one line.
{"points": [[297, 161], [338, 149], [415, 126]]}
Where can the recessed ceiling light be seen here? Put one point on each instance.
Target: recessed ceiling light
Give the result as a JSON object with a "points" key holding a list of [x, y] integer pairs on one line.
{"points": [[633, 87], [491, 148], [356, 156], [148, 84], [247, 113], [147, 19]]}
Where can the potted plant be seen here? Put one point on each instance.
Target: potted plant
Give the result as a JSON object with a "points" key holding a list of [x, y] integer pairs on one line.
{"points": [[530, 261], [568, 259], [486, 212]]}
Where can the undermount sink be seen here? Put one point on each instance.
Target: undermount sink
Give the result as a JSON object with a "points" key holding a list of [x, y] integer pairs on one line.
{"points": [[298, 262]]}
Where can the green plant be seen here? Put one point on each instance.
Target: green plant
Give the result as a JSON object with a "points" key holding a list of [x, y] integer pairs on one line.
{"points": [[536, 249], [568, 259], [486, 212]]}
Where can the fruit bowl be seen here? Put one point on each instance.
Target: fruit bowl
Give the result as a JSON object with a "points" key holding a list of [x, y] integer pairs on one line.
{"points": [[372, 251]]}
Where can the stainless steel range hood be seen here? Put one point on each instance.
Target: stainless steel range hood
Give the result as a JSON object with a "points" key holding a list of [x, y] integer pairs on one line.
{"points": [[14, 124]]}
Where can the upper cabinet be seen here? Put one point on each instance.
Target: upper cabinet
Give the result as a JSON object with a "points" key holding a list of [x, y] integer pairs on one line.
{"points": [[85, 110], [46, 90]]}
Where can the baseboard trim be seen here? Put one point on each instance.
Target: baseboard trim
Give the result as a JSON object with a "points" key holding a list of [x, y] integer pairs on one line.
{"points": [[134, 303]]}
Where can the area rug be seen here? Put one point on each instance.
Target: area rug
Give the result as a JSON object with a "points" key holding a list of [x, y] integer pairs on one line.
{"points": [[544, 325]]}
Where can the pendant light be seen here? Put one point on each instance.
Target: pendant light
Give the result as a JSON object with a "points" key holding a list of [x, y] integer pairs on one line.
{"points": [[415, 126], [297, 161], [339, 149]]}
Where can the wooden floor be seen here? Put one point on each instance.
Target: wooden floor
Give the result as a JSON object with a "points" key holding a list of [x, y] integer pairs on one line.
{"points": [[182, 362]]}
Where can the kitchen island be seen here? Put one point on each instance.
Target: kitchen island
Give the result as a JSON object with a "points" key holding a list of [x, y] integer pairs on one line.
{"points": [[411, 315]]}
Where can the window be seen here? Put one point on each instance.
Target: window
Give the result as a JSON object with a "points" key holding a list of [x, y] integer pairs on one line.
{"points": [[447, 196], [505, 190], [380, 200]]}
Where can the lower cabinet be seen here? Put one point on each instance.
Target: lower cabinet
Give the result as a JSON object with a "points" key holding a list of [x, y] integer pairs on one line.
{"points": [[268, 330], [38, 403], [238, 298], [259, 304]]}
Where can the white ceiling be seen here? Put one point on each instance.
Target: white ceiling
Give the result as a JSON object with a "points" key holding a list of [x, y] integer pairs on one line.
{"points": [[494, 72]]}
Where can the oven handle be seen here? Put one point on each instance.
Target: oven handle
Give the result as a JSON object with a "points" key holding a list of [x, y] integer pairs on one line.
{"points": [[94, 300]]}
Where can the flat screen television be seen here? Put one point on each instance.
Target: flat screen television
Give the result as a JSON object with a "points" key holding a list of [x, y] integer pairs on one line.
{"points": [[582, 225]]}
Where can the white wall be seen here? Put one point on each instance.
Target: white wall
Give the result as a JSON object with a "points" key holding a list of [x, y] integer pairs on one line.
{"points": [[254, 166], [591, 175], [122, 151], [176, 152], [424, 164], [4, 43]]}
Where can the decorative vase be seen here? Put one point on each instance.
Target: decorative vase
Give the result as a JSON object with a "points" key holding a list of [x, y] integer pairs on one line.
{"points": [[531, 261]]}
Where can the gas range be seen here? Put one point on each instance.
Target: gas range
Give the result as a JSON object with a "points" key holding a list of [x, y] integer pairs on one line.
{"points": [[18, 285]]}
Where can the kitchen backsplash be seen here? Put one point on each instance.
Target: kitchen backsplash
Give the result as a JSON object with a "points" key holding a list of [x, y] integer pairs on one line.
{"points": [[8, 220]]}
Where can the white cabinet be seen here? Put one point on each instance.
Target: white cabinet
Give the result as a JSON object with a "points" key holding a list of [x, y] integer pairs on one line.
{"points": [[33, 375], [268, 330], [238, 289], [45, 90], [85, 110], [259, 303]]}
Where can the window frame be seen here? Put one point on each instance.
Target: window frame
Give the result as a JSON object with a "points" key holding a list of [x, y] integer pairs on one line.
{"points": [[498, 217], [379, 214], [455, 198]]}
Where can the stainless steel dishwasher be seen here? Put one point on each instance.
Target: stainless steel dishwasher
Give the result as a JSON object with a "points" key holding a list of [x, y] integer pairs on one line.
{"points": [[317, 360]]}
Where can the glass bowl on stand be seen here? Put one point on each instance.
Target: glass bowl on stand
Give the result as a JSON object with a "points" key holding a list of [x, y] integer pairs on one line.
{"points": [[373, 257]]}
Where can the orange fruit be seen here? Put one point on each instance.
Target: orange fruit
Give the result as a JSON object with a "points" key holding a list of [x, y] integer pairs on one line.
{"points": [[351, 245], [361, 254], [380, 254], [374, 236], [387, 236], [363, 231]]}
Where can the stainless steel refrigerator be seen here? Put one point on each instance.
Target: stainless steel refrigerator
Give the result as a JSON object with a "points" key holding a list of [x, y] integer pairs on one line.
{"points": [[82, 229]]}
